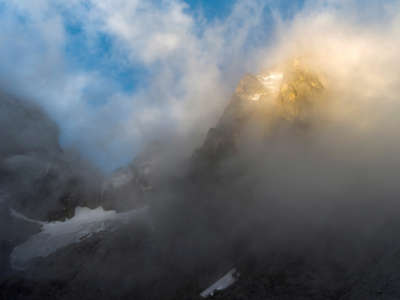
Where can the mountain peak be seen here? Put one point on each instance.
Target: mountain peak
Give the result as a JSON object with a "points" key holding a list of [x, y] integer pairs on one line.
{"points": [[288, 89]]}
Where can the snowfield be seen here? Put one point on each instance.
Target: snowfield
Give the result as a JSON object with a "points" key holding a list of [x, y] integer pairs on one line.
{"points": [[224, 282], [55, 235]]}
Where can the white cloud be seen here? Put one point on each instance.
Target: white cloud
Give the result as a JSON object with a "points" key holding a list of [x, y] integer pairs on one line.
{"points": [[192, 67], [187, 89]]}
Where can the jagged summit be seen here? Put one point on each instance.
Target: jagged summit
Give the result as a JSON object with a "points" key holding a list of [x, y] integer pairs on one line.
{"points": [[259, 87], [287, 90], [286, 94]]}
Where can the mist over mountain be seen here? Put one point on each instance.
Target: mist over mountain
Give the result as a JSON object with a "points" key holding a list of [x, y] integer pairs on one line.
{"points": [[39, 178], [285, 187]]}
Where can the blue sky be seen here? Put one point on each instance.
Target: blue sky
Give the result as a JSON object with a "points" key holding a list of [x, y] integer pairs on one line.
{"points": [[128, 76], [98, 55], [117, 74], [210, 9]]}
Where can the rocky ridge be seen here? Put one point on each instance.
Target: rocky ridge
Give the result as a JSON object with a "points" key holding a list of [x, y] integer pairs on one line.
{"points": [[208, 230]]}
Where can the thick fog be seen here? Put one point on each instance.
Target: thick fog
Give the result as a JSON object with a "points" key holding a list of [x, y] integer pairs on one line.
{"points": [[328, 181], [325, 184]]}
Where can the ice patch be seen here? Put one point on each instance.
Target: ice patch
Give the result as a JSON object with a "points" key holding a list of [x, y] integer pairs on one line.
{"points": [[271, 81], [255, 97], [224, 282], [55, 235]]}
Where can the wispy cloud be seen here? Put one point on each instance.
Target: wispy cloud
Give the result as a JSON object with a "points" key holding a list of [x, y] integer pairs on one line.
{"points": [[188, 66], [184, 66]]}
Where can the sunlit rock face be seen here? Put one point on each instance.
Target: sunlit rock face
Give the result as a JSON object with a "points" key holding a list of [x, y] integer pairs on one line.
{"points": [[285, 95], [262, 87], [298, 91], [288, 91]]}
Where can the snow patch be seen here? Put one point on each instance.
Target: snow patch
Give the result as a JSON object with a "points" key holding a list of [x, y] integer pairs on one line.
{"points": [[55, 235], [255, 97], [224, 282], [272, 81]]}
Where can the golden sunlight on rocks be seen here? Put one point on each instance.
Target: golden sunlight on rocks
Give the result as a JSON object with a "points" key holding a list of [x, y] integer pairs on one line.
{"points": [[290, 89]]}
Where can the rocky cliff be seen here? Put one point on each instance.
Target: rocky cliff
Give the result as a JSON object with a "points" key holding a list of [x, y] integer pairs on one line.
{"points": [[261, 195], [40, 179]]}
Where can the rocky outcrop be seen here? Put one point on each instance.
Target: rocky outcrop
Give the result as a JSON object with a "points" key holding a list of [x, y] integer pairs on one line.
{"points": [[25, 128], [128, 186], [42, 181], [227, 213], [285, 96]]}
